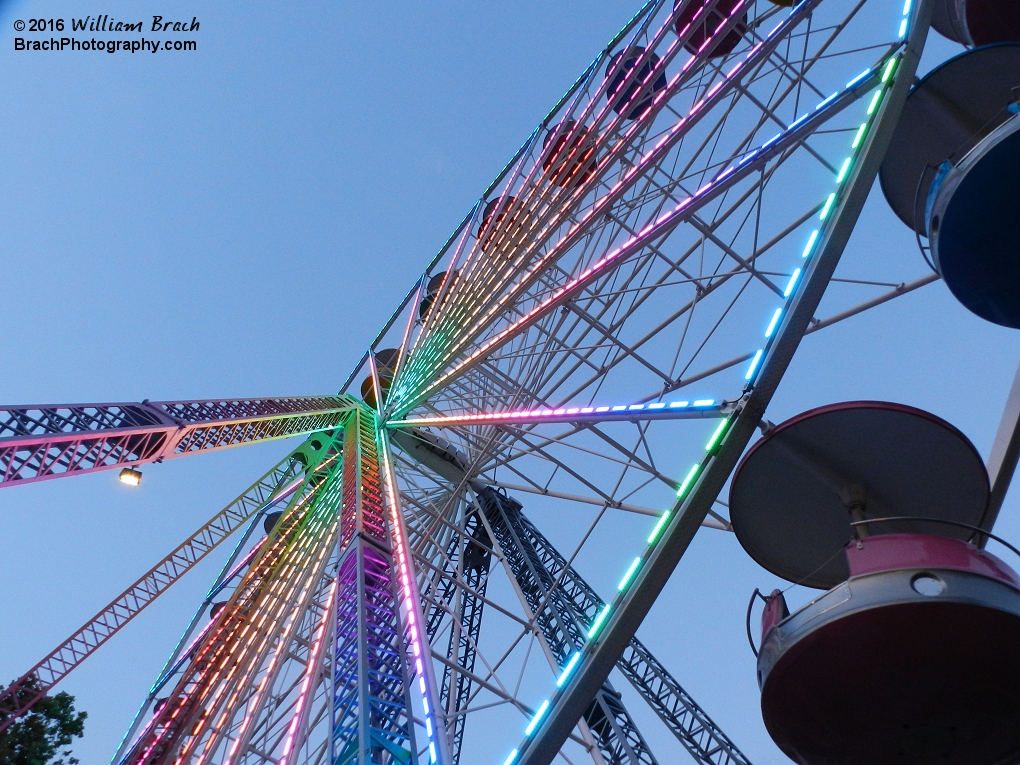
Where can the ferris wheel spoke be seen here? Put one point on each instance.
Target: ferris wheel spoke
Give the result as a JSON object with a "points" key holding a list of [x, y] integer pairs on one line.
{"points": [[715, 95], [654, 232], [279, 484], [43, 442]]}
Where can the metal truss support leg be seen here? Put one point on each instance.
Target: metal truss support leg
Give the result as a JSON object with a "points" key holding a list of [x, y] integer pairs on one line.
{"points": [[705, 741], [616, 733], [372, 719], [468, 558]]}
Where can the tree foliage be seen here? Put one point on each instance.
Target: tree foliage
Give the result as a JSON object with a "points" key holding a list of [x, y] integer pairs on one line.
{"points": [[42, 736]]}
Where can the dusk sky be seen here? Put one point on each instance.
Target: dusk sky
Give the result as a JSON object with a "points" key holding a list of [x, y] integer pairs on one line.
{"points": [[241, 219]]}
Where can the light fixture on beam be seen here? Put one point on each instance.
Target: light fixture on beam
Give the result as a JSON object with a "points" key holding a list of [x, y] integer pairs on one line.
{"points": [[130, 476]]}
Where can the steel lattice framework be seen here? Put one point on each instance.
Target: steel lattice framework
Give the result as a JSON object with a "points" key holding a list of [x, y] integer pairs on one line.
{"points": [[39, 442], [598, 311]]}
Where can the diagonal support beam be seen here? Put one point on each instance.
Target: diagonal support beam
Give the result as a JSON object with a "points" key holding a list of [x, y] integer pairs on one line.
{"points": [[277, 485], [615, 732], [705, 740]]}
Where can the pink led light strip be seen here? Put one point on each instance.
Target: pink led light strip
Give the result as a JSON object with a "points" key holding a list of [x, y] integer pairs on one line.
{"points": [[627, 412], [254, 703], [412, 608], [313, 661], [612, 195], [215, 642], [668, 91], [184, 699]]}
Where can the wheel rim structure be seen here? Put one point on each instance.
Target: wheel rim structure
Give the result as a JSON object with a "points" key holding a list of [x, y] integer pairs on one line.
{"points": [[655, 251]]}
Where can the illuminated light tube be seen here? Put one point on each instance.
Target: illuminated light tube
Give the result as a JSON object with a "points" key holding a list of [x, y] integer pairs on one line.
{"points": [[810, 245], [682, 491], [844, 170], [659, 526], [799, 120], [887, 72], [860, 135], [513, 756], [432, 750], [827, 101], [599, 620], [628, 576], [717, 435], [704, 402], [827, 207], [903, 27], [679, 404], [773, 323], [568, 669], [753, 366], [792, 283], [906, 8], [874, 102], [537, 718], [659, 405], [856, 80]]}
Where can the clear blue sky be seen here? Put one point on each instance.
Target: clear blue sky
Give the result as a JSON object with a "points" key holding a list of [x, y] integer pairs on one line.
{"points": [[240, 220]]}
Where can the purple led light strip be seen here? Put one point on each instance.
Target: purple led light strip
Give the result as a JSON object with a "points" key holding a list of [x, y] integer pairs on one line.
{"points": [[656, 228], [656, 410], [667, 92]]}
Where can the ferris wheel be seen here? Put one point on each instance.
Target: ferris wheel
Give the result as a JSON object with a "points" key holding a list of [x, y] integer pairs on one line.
{"points": [[606, 327]]}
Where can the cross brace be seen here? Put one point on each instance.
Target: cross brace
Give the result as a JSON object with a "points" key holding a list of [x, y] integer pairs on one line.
{"points": [[470, 562]]}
